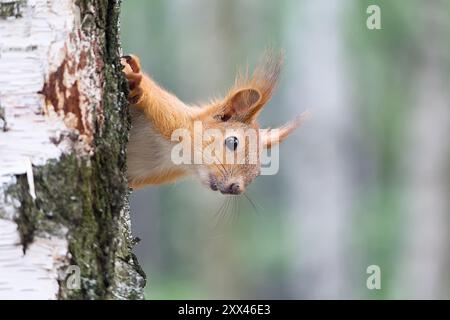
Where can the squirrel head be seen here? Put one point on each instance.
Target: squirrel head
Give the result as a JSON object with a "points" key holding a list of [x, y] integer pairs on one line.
{"points": [[231, 152]]}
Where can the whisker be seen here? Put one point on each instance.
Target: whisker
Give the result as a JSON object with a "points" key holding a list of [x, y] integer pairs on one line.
{"points": [[252, 203], [222, 214], [230, 211], [236, 209], [220, 162], [219, 212], [222, 170], [227, 208]]}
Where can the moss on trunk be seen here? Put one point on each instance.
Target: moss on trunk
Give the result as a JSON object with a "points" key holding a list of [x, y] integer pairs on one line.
{"points": [[13, 8], [88, 196]]}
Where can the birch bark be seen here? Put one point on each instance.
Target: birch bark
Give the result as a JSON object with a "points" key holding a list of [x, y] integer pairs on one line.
{"points": [[63, 131]]}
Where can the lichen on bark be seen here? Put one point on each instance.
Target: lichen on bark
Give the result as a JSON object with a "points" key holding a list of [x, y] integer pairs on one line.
{"points": [[11, 9], [88, 195], [3, 124]]}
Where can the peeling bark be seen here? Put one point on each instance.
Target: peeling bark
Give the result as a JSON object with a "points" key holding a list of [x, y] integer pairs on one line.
{"points": [[63, 191]]}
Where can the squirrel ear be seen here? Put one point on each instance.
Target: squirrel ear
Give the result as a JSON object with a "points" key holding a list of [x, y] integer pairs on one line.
{"points": [[271, 137], [242, 101]]}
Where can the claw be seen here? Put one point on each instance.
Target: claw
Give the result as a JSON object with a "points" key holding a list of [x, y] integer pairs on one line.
{"points": [[133, 62], [133, 100], [132, 70]]}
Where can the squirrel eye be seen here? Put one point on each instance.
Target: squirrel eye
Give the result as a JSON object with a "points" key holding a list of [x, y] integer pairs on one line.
{"points": [[225, 117], [232, 143]]}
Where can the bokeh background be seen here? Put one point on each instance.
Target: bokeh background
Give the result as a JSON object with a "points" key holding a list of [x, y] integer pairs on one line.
{"points": [[365, 182]]}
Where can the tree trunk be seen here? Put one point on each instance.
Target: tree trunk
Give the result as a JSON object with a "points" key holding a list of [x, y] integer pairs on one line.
{"points": [[424, 260], [323, 194], [63, 132]]}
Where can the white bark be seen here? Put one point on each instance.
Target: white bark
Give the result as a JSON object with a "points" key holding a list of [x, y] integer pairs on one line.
{"points": [[32, 275], [43, 40]]}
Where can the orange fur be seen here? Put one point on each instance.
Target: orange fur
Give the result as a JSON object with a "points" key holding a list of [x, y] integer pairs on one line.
{"points": [[156, 113], [168, 177], [165, 110]]}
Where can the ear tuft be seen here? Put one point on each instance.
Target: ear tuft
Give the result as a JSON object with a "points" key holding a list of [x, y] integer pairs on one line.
{"points": [[264, 79], [250, 93], [271, 137]]}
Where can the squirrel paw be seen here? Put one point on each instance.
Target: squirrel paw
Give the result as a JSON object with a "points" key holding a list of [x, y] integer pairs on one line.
{"points": [[132, 70]]}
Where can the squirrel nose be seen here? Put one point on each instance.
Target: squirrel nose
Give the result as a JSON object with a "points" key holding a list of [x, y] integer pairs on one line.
{"points": [[233, 188]]}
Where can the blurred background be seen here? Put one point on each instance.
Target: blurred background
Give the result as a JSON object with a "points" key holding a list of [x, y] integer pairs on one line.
{"points": [[365, 182]]}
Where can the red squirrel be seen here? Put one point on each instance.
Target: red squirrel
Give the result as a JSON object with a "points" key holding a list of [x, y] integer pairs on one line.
{"points": [[156, 114]]}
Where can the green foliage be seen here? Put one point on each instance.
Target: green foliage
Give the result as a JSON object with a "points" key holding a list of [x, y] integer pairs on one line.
{"points": [[195, 49]]}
